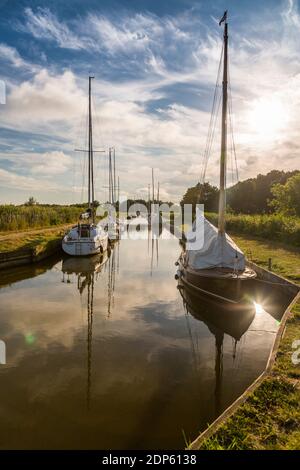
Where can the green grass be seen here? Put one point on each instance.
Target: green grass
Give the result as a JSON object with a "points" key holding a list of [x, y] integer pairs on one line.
{"points": [[16, 218], [35, 239], [275, 227], [285, 258], [270, 417]]}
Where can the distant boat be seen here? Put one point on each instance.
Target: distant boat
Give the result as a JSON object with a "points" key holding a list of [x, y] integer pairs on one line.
{"points": [[218, 268], [87, 237]]}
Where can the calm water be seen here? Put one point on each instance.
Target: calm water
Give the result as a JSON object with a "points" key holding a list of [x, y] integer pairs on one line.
{"points": [[110, 356]]}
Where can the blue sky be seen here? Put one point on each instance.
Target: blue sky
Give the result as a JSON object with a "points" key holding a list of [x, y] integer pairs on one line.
{"points": [[155, 65]]}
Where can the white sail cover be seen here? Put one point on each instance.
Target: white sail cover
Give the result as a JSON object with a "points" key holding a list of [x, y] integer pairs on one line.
{"points": [[217, 250]]}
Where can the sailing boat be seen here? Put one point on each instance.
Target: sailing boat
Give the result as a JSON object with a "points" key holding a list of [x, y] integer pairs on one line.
{"points": [[87, 238], [218, 268]]}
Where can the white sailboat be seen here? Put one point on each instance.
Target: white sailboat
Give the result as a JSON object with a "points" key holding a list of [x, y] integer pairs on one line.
{"points": [[218, 269], [87, 238]]}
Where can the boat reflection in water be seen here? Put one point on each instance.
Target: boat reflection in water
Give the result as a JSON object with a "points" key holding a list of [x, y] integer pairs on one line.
{"points": [[220, 320], [87, 271]]}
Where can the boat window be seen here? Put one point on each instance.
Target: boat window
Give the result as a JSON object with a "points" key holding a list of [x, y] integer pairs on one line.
{"points": [[84, 233]]}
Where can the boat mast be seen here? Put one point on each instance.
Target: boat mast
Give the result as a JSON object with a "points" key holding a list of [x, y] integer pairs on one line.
{"points": [[115, 186], [110, 179], [91, 193], [223, 158], [152, 186]]}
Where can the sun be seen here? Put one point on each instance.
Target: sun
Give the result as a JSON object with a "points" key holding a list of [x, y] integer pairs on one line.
{"points": [[267, 118]]}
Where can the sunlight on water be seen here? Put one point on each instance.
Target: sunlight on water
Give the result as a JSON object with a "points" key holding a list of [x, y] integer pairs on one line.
{"points": [[108, 352], [258, 309]]}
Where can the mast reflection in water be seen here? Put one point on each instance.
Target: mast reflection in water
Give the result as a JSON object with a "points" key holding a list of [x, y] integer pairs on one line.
{"points": [[111, 359], [220, 321], [86, 271]]}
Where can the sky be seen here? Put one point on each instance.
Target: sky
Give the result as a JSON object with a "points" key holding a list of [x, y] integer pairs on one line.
{"points": [[155, 65]]}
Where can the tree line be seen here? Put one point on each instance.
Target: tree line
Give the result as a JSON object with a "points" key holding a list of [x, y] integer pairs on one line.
{"points": [[275, 192]]}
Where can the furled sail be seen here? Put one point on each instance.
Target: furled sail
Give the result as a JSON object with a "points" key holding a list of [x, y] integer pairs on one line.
{"points": [[218, 250]]}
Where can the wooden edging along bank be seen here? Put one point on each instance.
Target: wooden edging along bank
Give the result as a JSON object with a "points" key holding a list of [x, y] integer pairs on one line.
{"points": [[31, 255], [21, 257], [294, 289]]}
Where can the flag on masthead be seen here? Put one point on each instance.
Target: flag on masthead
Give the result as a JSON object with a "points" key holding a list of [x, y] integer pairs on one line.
{"points": [[224, 18]]}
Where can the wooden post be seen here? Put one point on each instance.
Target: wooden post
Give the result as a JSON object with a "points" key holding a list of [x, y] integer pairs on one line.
{"points": [[270, 264]]}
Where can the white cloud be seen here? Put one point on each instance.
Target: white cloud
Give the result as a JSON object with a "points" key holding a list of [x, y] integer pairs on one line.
{"points": [[172, 138], [290, 14], [12, 180], [43, 24], [116, 38], [43, 102], [47, 164], [12, 56]]}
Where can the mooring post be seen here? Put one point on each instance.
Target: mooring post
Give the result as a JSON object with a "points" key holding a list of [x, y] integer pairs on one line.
{"points": [[270, 264]]}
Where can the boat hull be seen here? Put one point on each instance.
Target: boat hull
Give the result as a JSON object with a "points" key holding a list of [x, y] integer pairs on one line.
{"points": [[223, 287], [84, 264], [233, 320], [84, 247]]}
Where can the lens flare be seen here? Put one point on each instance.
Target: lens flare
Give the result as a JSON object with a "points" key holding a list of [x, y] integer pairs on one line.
{"points": [[258, 309]]}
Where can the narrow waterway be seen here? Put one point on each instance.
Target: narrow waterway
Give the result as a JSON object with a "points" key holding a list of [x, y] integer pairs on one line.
{"points": [[108, 353]]}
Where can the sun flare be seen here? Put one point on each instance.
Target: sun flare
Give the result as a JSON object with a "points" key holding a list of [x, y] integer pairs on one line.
{"points": [[268, 118], [258, 309]]}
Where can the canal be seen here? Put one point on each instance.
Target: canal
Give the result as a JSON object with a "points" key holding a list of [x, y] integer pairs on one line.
{"points": [[109, 353]]}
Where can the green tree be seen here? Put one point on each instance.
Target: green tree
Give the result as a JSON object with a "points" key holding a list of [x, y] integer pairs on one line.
{"points": [[286, 197], [31, 201], [252, 196], [202, 194]]}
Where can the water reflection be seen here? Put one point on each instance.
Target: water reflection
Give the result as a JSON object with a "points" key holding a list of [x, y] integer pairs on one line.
{"points": [[220, 321], [154, 250], [114, 357], [86, 271]]}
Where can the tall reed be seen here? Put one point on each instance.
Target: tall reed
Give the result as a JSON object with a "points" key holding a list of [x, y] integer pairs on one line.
{"points": [[271, 226], [24, 217]]}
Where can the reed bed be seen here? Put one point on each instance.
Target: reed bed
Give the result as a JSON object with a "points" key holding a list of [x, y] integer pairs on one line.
{"points": [[16, 218], [275, 227]]}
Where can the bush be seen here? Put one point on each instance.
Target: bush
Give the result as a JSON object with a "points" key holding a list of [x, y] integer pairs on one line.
{"points": [[36, 216], [272, 226]]}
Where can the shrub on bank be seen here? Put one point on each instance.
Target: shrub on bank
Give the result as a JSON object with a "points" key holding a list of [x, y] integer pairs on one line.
{"points": [[271, 226]]}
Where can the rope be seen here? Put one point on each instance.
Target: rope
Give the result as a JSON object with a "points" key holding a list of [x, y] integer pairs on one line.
{"points": [[212, 122], [231, 125]]}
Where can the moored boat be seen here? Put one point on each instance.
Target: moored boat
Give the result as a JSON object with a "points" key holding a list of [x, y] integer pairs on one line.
{"points": [[87, 238], [216, 266]]}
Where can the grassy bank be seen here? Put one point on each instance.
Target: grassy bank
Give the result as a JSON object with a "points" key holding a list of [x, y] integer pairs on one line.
{"points": [[285, 258], [269, 418], [15, 218], [274, 227], [31, 240]]}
